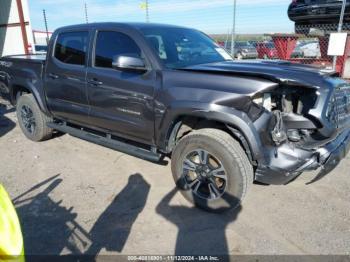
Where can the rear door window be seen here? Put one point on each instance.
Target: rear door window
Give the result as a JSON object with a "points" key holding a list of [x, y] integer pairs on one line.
{"points": [[71, 47]]}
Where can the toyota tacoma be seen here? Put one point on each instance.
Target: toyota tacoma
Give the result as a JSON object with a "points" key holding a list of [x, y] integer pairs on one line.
{"points": [[152, 90]]}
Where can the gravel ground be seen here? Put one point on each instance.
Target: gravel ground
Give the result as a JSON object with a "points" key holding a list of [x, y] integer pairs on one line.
{"points": [[75, 197]]}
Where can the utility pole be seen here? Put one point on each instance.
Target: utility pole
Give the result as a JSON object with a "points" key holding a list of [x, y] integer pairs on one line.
{"points": [[145, 6], [340, 28], [233, 36], [86, 13], [227, 38], [147, 12], [46, 27]]}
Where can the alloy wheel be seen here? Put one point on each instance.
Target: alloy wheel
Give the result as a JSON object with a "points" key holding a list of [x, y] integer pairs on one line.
{"points": [[28, 119], [204, 174]]}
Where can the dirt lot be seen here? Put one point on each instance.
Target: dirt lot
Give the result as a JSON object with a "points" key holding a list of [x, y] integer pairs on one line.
{"points": [[77, 197]]}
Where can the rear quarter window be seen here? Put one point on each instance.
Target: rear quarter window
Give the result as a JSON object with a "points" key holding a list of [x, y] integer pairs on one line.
{"points": [[71, 47]]}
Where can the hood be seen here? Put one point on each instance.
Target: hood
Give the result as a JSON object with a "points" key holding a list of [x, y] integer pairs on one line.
{"points": [[278, 71]]}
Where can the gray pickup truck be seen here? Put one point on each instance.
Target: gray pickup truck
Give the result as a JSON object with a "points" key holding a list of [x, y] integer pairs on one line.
{"points": [[154, 90]]}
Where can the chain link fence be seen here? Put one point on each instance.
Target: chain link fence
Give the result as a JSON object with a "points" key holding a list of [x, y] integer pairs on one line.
{"points": [[308, 45]]}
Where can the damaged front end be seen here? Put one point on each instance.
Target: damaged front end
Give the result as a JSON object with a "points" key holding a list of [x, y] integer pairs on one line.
{"points": [[302, 129], [296, 117]]}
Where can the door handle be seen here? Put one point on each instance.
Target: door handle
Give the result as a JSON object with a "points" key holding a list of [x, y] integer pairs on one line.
{"points": [[53, 76], [95, 82]]}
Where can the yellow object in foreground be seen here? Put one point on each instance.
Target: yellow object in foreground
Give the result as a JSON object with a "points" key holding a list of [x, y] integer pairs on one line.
{"points": [[11, 240]]}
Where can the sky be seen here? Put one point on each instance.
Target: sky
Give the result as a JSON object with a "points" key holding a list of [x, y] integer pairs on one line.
{"points": [[210, 16]]}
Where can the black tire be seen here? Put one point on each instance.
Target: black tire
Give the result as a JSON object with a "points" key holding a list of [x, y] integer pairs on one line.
{"points": [[238, 169], [38, 130]]}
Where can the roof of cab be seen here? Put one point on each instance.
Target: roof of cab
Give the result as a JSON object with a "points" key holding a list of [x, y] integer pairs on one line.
{"points": [[131, 25]]}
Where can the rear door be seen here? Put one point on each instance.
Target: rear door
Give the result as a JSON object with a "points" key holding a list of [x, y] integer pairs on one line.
{"points": [[121, 101], [65, 77]]}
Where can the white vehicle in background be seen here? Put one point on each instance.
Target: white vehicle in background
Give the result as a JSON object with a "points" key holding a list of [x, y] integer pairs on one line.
{"points": [[311, 49]]}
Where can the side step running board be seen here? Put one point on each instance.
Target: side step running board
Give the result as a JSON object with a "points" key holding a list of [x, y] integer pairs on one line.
{"points": [[107, 142]]}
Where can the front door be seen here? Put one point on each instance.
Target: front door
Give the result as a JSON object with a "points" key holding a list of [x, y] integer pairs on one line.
{"points": [[121, 101], [65, 78]]}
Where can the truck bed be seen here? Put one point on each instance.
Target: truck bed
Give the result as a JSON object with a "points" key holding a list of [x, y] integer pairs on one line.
{"points": [[40, 58], [26, 68]]}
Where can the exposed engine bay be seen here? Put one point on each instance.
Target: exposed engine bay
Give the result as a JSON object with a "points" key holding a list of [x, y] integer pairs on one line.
{"points": [[290, 107], [293, 132]]}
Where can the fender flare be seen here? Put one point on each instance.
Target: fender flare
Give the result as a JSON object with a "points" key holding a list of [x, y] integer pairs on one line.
{"points": [[231, 117], [4, 80], [39, 96]]}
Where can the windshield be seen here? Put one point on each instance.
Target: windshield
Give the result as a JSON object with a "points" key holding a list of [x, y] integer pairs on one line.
{"points": [[179, 48]]}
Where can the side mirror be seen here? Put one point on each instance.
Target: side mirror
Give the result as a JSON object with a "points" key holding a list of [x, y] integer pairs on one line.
{"points": [[129, 63]]}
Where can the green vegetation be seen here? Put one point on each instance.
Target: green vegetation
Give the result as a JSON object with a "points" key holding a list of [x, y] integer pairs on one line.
{"points": [[239, 37]]}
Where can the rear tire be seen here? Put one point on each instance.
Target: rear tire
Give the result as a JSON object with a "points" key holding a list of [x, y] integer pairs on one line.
{"points": [[32, 120], [226, 153]]}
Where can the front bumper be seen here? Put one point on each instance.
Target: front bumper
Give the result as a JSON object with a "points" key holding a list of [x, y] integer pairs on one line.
{"points": [[286, 163], [333, 153]]}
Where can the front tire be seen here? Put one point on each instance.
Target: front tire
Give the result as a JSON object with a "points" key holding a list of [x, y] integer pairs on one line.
{"points": [[32, 120], [211, 170]]}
